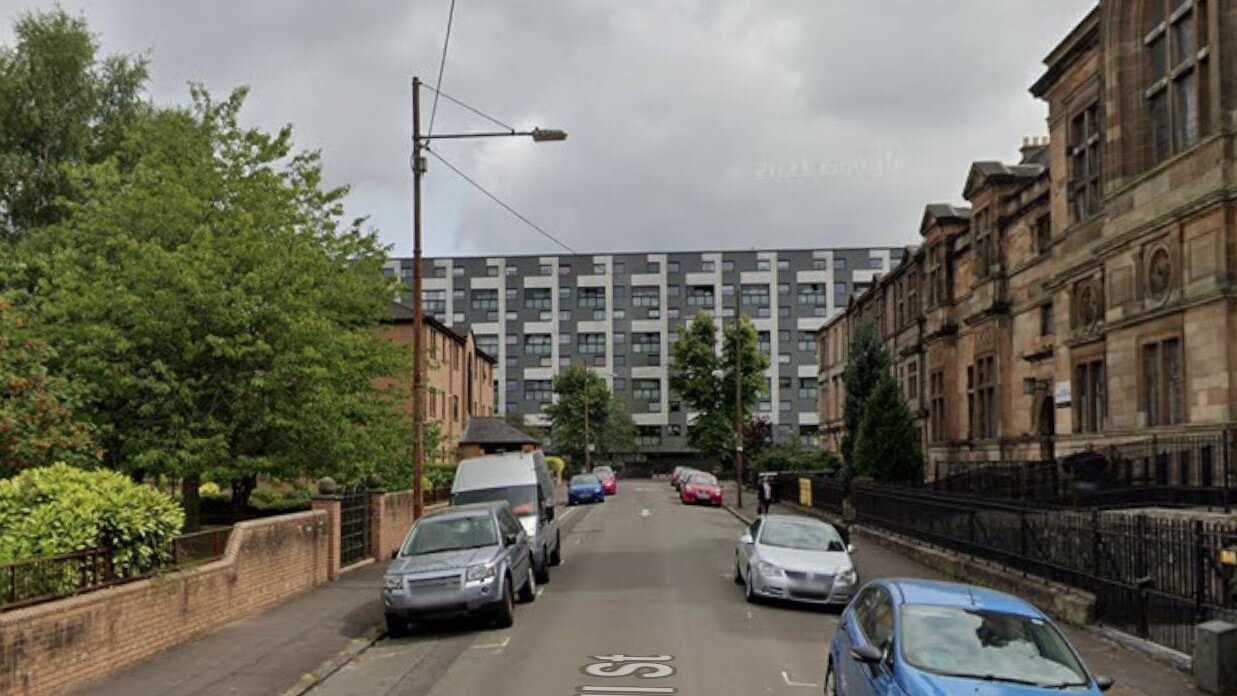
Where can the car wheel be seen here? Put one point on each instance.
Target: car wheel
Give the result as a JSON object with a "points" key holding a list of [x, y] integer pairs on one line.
{"points": [[831, 685], [556, 558], [397, 626], [541, 571], [506, 610], [528, 593], [748, 592]]}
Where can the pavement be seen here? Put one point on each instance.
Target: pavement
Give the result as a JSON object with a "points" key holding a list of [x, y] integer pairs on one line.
{"points": [[644, 600]]}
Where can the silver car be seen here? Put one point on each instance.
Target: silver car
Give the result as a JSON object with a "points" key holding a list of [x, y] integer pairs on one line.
{"points": [[467, 559], [795, 558]]}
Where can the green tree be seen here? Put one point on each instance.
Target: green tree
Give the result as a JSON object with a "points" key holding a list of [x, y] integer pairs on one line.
{"points": [[795, 458], [61, 105], [867, 363], [705, 381], [517, 420], [38, 426], [221, 316], [887, 447], [581, 390]]}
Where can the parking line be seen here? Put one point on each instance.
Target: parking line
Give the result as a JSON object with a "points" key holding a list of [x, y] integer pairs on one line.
{"points": [[786, 678]]}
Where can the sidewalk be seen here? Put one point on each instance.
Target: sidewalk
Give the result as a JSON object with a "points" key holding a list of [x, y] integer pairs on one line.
{"points": [[1135, 674]]}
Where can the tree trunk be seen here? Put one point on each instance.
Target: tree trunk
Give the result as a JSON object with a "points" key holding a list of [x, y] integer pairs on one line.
{"points": [[242, 488], [191, 502]]}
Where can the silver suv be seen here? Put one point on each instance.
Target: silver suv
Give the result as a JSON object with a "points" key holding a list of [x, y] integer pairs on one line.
{"points": [[467, 559]]}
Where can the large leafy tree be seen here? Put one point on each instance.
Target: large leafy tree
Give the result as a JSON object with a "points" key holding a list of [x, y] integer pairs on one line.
{"points": [[868, 362], [705, 380], [887, 446], [38, 426], [580, 391], [62, 104], [220, 313]]}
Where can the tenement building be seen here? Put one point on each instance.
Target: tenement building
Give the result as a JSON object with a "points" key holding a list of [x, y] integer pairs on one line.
{"points": [[621, 313], [1082, 296]]}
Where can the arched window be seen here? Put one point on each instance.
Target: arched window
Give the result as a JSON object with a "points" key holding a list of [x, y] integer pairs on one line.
{"points": [[1177, 45]]}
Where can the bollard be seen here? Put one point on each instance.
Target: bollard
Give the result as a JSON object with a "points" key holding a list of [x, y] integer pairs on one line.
{"points": [[1215, 657]]}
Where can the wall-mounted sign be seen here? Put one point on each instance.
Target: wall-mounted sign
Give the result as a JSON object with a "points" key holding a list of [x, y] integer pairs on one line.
{"points": [[1062, 394], [805, 492]]}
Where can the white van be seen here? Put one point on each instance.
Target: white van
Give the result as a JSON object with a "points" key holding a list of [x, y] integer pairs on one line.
{"points": [[523, 480]]}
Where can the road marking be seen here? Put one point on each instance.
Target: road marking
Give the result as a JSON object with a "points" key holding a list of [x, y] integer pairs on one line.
{"points": [[644, 512], [576, 541], [540, 590], [496, 646], [613, 690], [786, 678], [567, 514]]}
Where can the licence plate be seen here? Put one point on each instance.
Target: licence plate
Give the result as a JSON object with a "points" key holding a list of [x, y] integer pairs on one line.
{"points": [[703, 496]]}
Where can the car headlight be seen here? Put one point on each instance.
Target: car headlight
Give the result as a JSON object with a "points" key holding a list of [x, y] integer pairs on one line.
{"points": [[393, 582], [769, 570], [481, 572], [848, 577]]}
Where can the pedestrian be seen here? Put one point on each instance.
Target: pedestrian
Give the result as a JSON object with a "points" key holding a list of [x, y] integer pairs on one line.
{"points": [[764, 495]]}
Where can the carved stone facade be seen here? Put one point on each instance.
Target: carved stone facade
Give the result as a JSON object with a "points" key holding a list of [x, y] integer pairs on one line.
{"points": [[1084, 296]]}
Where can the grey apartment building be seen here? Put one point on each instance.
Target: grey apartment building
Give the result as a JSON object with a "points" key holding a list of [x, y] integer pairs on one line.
{"points": [[621, 313]]}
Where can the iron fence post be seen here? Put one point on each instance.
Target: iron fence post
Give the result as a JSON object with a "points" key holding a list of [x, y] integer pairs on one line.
{"points": [[1022, 538], [1095, 548], [1200, 568], [1227, 451]]}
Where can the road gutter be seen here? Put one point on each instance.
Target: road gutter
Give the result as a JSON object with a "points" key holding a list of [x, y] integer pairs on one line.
{"points": [[324, 671]]}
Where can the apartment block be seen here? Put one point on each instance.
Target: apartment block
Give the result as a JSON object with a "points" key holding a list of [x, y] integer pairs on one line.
{"points": [[621, 313]]}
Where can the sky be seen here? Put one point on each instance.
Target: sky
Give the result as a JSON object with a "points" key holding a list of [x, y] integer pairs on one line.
{"points": [[692, 124]]}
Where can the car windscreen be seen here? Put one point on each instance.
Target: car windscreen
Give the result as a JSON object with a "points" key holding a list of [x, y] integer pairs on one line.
{"points": [[450, 534], [585, 480], [994, 646], [702, 480], [804, 537], [523, 499]]}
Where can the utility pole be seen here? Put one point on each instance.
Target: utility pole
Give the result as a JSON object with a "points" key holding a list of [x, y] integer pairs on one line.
{"points": [[738, 408], [418, 323], [588, 460]]}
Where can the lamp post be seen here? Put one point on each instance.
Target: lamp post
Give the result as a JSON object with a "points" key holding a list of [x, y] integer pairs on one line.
{"points": [[420, 142], [738, 408]]}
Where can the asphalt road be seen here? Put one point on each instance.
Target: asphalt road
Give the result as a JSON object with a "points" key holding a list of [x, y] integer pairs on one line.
{"points": [[643, 577]]}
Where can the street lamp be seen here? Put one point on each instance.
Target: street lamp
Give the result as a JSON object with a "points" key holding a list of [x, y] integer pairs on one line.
{"points": [[420, 142]]}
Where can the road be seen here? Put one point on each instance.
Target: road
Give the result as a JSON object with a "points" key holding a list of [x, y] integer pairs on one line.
{"points": [[642, 577]]}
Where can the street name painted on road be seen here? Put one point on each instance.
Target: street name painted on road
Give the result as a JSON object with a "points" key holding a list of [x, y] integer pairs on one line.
{"points": [[615, 666]]}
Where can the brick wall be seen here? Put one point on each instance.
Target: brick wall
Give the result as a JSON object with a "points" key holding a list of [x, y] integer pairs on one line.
{"points": [[52, 648], [394, 523]]}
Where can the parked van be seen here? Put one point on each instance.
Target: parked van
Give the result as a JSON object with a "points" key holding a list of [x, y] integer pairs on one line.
{"points": [[523, 480]]}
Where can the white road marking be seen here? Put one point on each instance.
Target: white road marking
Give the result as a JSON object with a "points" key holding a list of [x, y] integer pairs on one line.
{"points": [[540, 590], [496, 646], [576, 541], [644, 512], [786, 678]]}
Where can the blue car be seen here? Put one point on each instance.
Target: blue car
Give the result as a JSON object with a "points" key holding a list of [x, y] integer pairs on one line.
{"points": [[903, 637], [585, 488]]}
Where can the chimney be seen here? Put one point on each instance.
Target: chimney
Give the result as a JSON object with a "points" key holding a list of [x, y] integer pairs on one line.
{"points": [[1031, 145]]}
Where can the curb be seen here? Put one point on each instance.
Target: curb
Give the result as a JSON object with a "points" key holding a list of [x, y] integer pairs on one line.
{"points": [[1157, 653], [324, 671], [741, 517]]}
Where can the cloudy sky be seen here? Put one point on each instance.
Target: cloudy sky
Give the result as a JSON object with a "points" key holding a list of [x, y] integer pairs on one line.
{"points": [[692, 123]]}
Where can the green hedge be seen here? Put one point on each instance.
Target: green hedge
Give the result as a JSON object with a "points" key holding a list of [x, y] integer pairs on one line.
{"points": [[59, 509]]}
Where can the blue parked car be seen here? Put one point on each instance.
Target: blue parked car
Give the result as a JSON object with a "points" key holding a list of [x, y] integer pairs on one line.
{"points": [[585, 488], [902, 637]]}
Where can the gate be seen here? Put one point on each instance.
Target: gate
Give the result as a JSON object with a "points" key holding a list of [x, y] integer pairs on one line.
{"points": [[353, 526]]}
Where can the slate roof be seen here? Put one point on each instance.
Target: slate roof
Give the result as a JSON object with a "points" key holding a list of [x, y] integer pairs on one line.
{"points": [[494, 431]]}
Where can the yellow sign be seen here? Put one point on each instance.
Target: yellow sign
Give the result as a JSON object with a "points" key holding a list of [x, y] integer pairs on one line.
{"points": [[1228, 556], [805, 492]]}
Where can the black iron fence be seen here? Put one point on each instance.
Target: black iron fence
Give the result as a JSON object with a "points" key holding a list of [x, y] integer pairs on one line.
{"points": [[53, 577], [354, 522]]}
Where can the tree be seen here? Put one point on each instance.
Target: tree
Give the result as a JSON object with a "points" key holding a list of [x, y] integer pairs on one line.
{"points": [[868, 361], [580, 391], [219, 313], [887, 446], [757, 437], [518, 421], [61, 105], [705, 381], [795, 458], [38, 426]]}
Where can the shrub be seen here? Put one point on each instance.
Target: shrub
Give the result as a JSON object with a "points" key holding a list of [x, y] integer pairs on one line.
{"points": [[58, 509], [210, 489], [297, 498]]}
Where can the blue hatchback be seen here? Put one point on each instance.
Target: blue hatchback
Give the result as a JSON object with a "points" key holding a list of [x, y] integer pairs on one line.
{"points": [[902, 637], [585, 488]]}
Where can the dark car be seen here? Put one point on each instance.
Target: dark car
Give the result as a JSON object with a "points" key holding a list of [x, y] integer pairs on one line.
{"points": [[585, 488]]}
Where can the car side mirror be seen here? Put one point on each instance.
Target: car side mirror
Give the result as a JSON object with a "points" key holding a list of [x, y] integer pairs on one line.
{"points": [[395, 554], [746, 539], [549, 511], [511, 539], [867, 654], [1104, 683], [850, 548]]}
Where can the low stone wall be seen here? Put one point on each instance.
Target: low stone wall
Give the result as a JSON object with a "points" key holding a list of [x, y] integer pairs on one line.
{"points": [[54, 647], [395, 519]]}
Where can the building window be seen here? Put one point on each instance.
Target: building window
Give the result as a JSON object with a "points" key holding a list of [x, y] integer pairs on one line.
{"points": [[619, 267], [564, 270], [938, 279], [439, 272], [754, 295], [762, 264], [646, 389], [813, 294], [1178, 88], [674, 290], [654, 267], [876, 262], [1089, 403], [727, 266], [1043, 234], [1084, 163], [839, 264], [538, 390], [599, 269], [485, 299], [488, 344], [728, 290], [981, 392], [457, 318], [646, 342], [539, 298], [564, 339], [648, 436], [839, 292], [1162, 382], [512, 271], [672, 267], [591, 343], [620, 384], [986, 242], [764, 342], [491, 271], [674, 430], [435, 301], [707, 266], [538, 344], [807, 341], [783, 358], [513, 294], [492, 315], [594, 298], [646, 296], [700, 296], [564, 315], [784, 311], [807, 388], [1047, 320], [783, 288], [912, 381], [783, 406], [783, 265], [457, 271], [620, 314]]}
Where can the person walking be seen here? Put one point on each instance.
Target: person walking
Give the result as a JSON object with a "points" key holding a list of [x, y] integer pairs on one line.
{"points": [[765, 495]]}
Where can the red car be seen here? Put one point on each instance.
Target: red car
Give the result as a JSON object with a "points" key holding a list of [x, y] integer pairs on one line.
{"points": [[609, 480], [702, 488]]}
